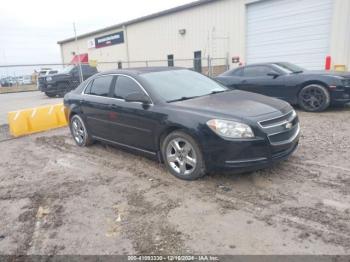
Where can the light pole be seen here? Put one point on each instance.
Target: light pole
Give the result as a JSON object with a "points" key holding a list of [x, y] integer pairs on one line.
{"points": [[78, 53]]}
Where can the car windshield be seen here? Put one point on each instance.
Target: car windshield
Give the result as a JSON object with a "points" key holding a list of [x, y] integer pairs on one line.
{"points": [[290, 68], [67, 69], [176, 85]]}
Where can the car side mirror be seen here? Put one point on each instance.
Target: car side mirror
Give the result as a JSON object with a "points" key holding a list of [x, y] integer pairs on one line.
{"points": [[273, 74], [138, 97]]}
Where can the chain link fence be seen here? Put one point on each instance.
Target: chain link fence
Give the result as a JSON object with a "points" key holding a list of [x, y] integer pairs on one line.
{"points": [[18, 78], [208, 66]]}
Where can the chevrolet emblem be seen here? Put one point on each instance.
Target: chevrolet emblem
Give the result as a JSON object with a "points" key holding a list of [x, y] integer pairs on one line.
{"points": [[289, 125]]}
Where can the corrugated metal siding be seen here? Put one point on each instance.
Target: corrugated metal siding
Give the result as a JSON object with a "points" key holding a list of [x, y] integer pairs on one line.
{"points": [[212, 29], [108, 54], [156, 38], [340, 40], [295, 31], [215, 29]]}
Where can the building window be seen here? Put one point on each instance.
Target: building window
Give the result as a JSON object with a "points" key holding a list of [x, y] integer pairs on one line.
{"points": [[197, 61], [170, 60]]}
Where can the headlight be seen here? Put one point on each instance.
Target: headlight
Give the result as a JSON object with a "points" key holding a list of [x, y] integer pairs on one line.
{"points": [[230, 129], [49, 79]]}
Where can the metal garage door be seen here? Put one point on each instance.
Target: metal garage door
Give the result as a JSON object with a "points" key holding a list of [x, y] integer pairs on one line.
{"points": [[295, 31]]}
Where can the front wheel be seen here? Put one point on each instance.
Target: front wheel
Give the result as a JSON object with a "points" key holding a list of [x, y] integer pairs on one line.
{"points": [[314, 98], [182, 156], [51, 95], [79, 132], [63, 88]]}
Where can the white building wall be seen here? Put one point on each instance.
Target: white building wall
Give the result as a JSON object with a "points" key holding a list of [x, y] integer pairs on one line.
{"points": [[340, 39], [213, 29], [217, 29], [113, 53]]}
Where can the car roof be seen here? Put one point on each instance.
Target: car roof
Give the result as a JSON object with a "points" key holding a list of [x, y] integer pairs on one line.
{"points": [[141, 70], [267, 63]]}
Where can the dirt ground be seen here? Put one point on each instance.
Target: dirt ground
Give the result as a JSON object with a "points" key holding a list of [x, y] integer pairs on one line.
{"points": [[56, 198]]}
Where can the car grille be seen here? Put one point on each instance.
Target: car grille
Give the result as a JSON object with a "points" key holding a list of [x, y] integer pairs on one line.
{"points": [[346, 82], [281, 130], [42, 83], [41, 80]]}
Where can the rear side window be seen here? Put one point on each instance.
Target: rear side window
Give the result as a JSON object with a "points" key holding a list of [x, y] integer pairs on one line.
{"points": [[238, 72], [125, 86], [256, 71], [101, 86], [234, 72]]}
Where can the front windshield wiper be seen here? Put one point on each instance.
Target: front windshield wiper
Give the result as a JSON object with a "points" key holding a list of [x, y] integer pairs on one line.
{"points": [[298, 72], [218, 92], [182, 99], [192, 97]]}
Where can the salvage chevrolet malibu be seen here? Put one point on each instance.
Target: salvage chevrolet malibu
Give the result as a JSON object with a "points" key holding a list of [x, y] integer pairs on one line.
{"points": [[184, 119]]}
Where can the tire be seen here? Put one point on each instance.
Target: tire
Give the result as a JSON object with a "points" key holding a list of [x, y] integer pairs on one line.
{"points": [[79, 131], [182, 156], [51, 94], [314, 98], [62, 89]]}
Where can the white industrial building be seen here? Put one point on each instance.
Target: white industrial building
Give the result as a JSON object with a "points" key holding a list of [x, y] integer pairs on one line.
{"points": [[304, 32]]}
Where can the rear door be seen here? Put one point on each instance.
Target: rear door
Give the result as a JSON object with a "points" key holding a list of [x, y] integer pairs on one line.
{"points": [[133, 122], [96, 106]]}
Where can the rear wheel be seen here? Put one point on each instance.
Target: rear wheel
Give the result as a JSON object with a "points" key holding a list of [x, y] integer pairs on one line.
{"points": [[182, 156], [79, 132], [314, 98]]}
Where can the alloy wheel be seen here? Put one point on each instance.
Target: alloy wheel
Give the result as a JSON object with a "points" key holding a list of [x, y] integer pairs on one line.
{"points": [[78, 130], [181, 156], [313, 98]]}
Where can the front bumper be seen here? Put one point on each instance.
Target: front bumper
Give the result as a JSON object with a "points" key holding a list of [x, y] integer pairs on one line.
{"points": [[52, 87], [254, 156], [247, 155], [340, 96]]}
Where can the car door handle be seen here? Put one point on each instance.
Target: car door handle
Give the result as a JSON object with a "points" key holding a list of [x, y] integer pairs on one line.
{"points": [[244, 81]]}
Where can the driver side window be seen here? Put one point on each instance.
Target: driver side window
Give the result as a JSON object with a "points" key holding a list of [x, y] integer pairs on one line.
{"points": [[125, 86]]}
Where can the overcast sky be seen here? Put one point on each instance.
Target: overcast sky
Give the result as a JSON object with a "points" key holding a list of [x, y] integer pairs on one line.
{"points": [[29, 30]]}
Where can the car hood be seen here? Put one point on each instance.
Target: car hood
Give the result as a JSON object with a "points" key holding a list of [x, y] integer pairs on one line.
{"points": [[329, 73], [236, 103]]}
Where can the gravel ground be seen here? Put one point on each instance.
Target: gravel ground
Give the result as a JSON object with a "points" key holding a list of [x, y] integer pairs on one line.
{"points": [[4, 133], [56, 198]]}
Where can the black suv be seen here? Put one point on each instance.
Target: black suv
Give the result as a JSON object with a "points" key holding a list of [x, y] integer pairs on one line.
{"points": [[65, 81]]}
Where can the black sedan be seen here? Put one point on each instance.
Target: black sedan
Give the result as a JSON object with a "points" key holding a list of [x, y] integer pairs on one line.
{"points": [[313, 91], [184, 119]]}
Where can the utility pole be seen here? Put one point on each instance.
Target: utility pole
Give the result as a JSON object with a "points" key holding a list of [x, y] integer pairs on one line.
{"points": [[78, 53]]}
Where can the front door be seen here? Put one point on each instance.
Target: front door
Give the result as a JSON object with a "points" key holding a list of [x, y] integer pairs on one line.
{"points": [[257, 79], [133, 123]]}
